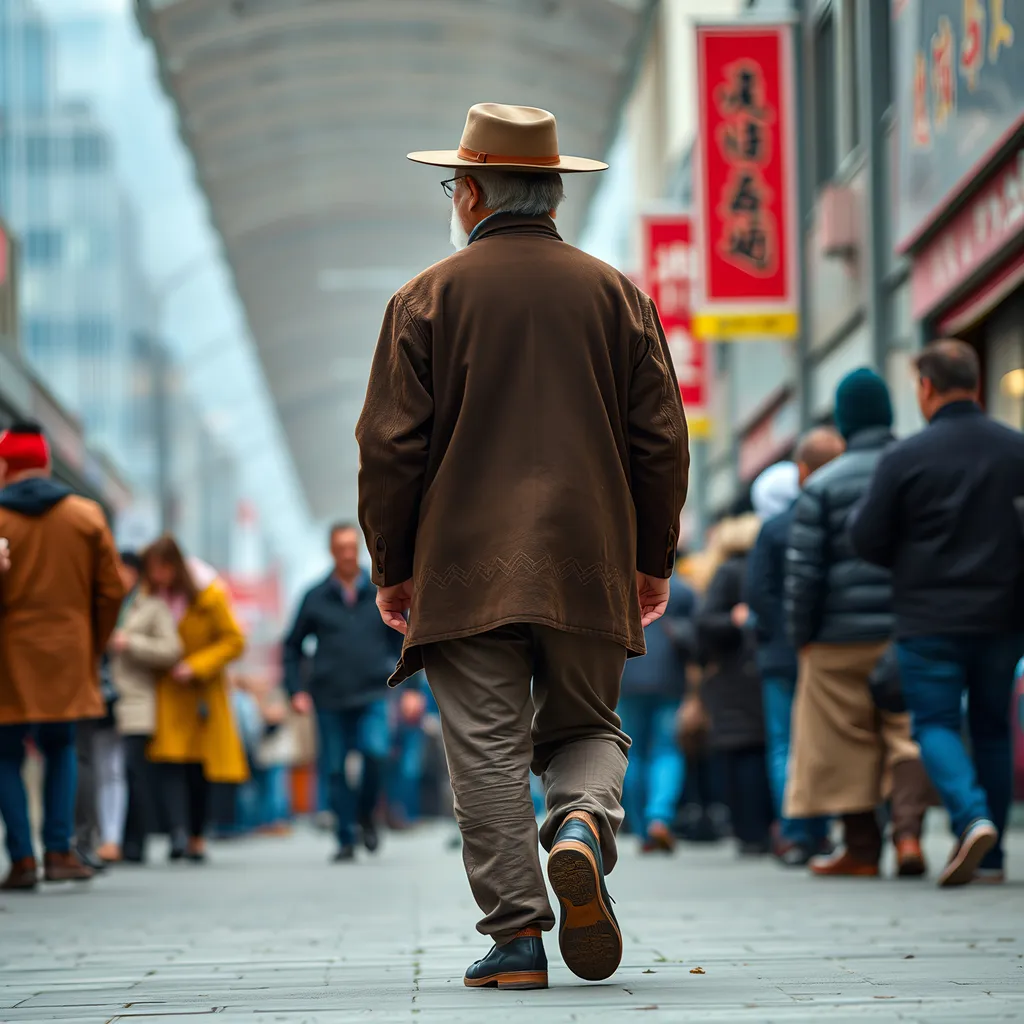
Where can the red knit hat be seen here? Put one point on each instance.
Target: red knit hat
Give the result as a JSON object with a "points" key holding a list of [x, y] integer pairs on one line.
{"points": [[23, 447]]}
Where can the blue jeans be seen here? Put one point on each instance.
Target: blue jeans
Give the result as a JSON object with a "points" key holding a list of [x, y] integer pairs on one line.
{"points": [[657, 769], [56, 742], [364, 729], [778, 716], [406, 770], [935, 672]]}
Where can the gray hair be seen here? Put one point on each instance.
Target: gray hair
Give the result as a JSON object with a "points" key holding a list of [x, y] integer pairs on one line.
{"points": [[528, 193]]}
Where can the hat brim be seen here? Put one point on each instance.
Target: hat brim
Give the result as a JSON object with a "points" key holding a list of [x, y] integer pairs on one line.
{"points": [[451, 158]]}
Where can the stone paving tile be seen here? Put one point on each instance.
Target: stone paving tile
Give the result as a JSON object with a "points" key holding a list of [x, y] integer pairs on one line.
{"points": [[270, 933]]}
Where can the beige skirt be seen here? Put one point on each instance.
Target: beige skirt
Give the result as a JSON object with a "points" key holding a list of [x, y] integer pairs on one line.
{"points": [[842, 748]]}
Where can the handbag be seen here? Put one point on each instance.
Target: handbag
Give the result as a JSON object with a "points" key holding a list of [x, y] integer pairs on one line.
{"points": [[885, 685]]}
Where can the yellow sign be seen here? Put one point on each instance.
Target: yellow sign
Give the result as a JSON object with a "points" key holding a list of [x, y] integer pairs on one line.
{"points": [[745, 326], [698, 426]]}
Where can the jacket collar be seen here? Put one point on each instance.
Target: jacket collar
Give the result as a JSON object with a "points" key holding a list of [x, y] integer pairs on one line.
{"points": [[362, 583], [514, 224], [955, 410], [870, 437]]}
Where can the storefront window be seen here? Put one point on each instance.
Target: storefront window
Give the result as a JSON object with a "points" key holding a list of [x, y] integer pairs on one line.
{"points": [[1005, 385], [1004, 363]]}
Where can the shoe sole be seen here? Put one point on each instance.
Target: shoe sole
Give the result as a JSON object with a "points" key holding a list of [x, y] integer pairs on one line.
{"points": [[511, 980], [960, 870], [588, 937], [859, 872]]}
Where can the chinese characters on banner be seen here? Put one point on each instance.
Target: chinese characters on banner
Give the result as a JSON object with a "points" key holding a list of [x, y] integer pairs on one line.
{"points": [[957, 93], [668, 278], [747, 218]]}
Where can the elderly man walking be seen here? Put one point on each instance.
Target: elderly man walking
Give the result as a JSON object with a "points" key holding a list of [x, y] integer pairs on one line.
{"points": [[59, 603], [523, 467]]}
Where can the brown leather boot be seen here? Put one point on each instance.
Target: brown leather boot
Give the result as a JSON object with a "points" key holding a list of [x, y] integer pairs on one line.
{"points": [[843, 864], [24, 874], [66, 867], [910, 861]]}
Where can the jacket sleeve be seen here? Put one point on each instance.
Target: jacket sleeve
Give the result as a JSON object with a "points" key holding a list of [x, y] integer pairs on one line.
{"points": [[659, 454], [107, 589], [717, 634], [291, 649], [393, 434], [208, 662], [764, 593], [874, 522], [156, 643], [806, 569]]}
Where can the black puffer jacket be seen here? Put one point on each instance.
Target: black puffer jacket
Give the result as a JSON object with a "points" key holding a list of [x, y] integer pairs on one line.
{"points": [[832, 596]]}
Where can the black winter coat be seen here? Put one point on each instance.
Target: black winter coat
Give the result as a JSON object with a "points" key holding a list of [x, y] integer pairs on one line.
{"points": [[941, 514], [832, 595], [766, 580], [355, 651], [732, 683]]}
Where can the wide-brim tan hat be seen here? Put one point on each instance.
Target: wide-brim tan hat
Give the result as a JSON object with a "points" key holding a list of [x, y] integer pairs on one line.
{"points": [[511, 138]]}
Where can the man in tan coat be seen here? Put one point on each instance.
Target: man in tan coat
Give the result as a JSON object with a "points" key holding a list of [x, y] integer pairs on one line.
{"points": [[59, 602], [523, 467]]}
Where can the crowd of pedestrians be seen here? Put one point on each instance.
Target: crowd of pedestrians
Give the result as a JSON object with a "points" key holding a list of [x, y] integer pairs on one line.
{"points": [[118, 678]]}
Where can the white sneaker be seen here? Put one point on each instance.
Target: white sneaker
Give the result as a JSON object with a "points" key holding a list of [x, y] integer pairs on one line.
{"points": [[979, 837]]}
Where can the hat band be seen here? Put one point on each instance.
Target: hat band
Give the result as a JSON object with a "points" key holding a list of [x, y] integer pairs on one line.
{"points": [[495, 158]]}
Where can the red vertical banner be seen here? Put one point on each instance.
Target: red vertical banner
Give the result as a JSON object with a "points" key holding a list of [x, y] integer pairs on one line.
{"points": [[746, 184], [668, 278]]}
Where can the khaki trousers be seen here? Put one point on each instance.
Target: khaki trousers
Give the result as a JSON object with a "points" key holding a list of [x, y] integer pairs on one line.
{"points": [[844, 751], [495, 729]]}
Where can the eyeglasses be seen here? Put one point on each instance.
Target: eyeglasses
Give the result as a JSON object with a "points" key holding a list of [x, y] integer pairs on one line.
{"points": [[449, 186]]}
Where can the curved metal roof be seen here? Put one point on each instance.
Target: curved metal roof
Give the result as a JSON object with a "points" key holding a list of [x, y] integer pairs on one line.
{"points": [[299, 114]]}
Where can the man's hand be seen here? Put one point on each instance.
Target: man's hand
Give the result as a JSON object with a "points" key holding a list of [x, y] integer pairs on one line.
{"points": [[118, 642], [5, 555], [302, 703], [393, 603], [740, 615], [653, 594]]}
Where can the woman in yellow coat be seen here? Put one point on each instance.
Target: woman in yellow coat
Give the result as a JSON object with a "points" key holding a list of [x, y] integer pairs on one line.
{"points": [[196, 740]]}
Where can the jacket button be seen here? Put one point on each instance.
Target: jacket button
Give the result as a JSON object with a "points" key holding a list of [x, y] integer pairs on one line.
{"points": [[380, 567], [380, 544]]}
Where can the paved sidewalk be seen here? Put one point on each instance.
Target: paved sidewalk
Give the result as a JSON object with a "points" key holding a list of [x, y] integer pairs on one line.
{"points": [[269, 932]]}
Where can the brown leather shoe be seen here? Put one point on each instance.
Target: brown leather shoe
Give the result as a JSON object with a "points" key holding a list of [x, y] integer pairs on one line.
{"points": [[843, 865], [66, 867], [659, 839], [24, 874], [910, 861]]}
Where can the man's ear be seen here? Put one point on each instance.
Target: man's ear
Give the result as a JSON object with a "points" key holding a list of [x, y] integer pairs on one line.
{"points": [[476, 194]]}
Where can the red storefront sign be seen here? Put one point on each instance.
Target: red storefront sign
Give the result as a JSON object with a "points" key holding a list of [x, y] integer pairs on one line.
{"points": [[746, 183], [987, 225], [668, 276]]}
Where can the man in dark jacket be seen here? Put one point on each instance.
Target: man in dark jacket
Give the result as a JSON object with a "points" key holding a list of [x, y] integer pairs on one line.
{"points": [[847, 756], [346, 682], [652, 689], [944, 514], [766, 570]]}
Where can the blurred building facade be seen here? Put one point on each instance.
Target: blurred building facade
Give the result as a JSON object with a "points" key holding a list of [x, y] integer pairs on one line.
{"points": [[89, 326], [911, 210]]}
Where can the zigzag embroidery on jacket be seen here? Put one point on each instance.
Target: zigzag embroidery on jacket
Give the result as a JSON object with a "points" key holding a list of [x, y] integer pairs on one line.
{"points": [[520, 563]]}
